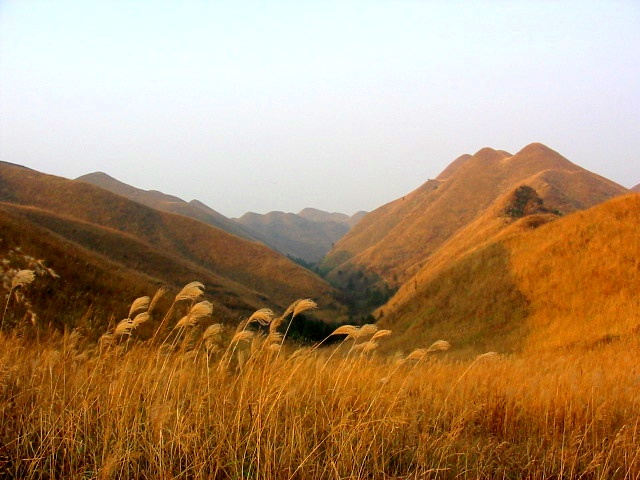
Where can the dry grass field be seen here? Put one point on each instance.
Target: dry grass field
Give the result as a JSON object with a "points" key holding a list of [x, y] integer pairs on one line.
{"points": [[188, 388], [535, 285], [199, 400]]}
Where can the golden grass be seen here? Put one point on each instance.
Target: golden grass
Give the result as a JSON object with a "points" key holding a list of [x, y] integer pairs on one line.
{"points": [[569, 283], [582, 276], [219, 403]]}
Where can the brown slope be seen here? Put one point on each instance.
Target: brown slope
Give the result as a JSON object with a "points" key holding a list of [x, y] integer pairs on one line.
{"points": [[168, 203], [258, 269], [636, 188], [535, 285], [394, 242], [101, 271]]}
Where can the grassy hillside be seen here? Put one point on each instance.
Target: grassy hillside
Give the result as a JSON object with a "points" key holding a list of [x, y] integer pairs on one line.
{"points": [[157, 244], [199, 399], [536, 284], [89, 289], [393, 242]]}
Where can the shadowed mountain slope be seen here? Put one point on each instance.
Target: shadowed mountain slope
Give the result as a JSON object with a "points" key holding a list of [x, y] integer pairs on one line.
{"points": [[636, 188], [308, 235], [167, 203], [395, 241], [163, 247], [537, 284], [315, 215]]}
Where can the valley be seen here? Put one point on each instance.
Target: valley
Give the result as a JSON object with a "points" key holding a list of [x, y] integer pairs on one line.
{"points": [[484, 325]]}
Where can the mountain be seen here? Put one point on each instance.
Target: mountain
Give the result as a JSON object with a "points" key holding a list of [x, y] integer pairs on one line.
{"points": [[307, 235], [541, 283], [168, 203], [320, 216], [97, 238], [636, 188], [392, 243]]}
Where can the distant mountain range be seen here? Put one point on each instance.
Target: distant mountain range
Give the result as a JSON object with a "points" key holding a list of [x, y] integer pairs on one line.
{"points": [[501, 251], [308, 235], [100, 238], [636, 188]]}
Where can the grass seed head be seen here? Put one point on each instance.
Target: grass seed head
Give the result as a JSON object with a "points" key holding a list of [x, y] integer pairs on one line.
{"points": [[380, 334], [439, 345], [487, 356], [366, 346], [303, 305], [191, 291], [244, 335], [264, 316], [140, 319], [156, 298], [289, 310], [418, 354], [275, 323], [212, 332], [139, 305], [368, 329], [124, 327], [274, 338], [350, 331], [201, 310], [22, 278], [197, 312]]}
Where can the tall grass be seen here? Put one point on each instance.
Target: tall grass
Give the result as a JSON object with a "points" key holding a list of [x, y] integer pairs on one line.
{"points": [[207, 401]]}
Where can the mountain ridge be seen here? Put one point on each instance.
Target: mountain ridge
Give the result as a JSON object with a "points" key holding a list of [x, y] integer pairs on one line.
{"points": [[394, 241], [165, 202], [307, 236], [247, 274]]}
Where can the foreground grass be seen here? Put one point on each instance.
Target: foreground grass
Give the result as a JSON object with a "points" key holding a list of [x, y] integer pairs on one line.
{"points": [[254, 410]]}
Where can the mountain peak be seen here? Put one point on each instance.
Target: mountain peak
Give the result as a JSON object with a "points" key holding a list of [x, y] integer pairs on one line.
{"points": [[488, 154], [98, 177], [537, 148]]}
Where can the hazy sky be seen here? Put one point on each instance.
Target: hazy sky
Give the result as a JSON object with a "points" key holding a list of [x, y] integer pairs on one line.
{"points": [[339, 105]]}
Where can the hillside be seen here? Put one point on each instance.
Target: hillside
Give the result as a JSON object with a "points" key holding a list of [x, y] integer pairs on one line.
{"points": [[307, 235], [395, 241], [537, 284], [115, 233], [167, 203], [636, 188]]}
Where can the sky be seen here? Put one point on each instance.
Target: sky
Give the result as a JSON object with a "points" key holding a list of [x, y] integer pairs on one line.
{"points": [[337, 105]]}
